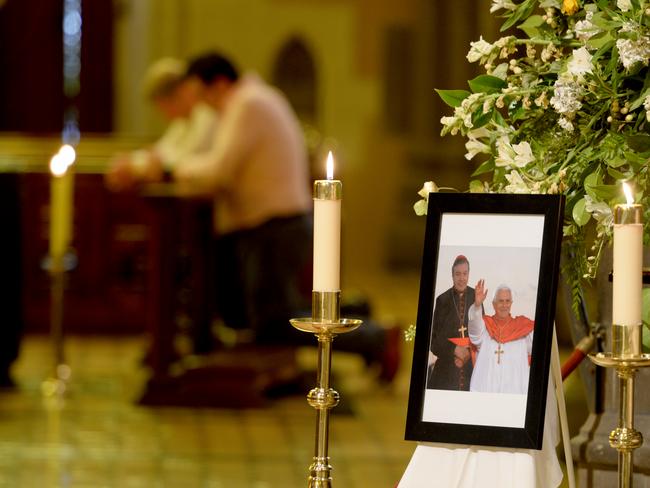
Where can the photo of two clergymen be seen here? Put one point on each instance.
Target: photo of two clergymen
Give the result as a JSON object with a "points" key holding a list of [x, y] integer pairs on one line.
{"points": [[483, 321]]}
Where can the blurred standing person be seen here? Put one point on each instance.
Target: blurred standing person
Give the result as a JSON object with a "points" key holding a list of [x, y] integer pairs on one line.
{"points": [[190, 130]]}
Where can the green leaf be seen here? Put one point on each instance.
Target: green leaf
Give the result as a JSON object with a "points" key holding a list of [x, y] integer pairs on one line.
{"points": [[479, 119], [617, 175], [646, 317], [603, 192], [600, 40], [522, 11], [636, 158], [476, 186], [639, 101], [487, 84], [453, 98], [501, 71], [531, 24], [580, 214], [638, 142], [485, 167]]}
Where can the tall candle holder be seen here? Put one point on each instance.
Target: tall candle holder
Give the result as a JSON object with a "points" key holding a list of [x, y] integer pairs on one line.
{"points": [[60, 260], [326, 324], [626, 358]]}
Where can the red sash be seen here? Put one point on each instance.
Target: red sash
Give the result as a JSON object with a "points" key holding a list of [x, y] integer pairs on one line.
{"points": [[465, 342]]}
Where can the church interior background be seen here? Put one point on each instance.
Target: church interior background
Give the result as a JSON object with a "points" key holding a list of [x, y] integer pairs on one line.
{"points": [[361, 75]]}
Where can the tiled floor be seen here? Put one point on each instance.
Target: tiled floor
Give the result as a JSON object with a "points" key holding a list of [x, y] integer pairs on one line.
{"points": [[97, 436]]}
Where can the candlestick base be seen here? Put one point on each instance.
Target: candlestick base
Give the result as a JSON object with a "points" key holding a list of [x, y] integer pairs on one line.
{"points": [[325, 325], [625, 438]]}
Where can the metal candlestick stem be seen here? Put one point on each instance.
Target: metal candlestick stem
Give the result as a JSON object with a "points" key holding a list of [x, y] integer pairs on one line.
{"points": [[56, 384], [626, 358], [326, 324]]}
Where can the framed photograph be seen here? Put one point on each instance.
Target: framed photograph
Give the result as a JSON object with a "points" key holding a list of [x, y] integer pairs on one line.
{"points": [[485, 319]]}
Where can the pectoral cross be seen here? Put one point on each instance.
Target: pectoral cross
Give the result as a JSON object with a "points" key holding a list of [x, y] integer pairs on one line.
{"points": [[498, 352], [462, 330]]}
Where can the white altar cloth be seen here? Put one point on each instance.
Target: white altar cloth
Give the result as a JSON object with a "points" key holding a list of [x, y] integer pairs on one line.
{"points": [[459, 466]]}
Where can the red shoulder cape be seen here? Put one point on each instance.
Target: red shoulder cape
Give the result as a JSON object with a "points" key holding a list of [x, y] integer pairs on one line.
{"points": [[517, 328]]}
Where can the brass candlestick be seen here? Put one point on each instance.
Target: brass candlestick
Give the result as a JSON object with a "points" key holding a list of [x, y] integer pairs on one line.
{"points": [[626, 358], [326, 324], [57, 383]]}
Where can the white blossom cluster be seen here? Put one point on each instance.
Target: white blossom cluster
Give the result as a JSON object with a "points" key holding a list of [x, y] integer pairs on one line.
{"points": [[513, 155], [502, 4], [632, 52], [462, 115], [566, 97], [585, 29]]}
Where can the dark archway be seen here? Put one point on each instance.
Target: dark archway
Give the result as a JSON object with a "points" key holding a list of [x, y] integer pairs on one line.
{"points": [[294, 72]]}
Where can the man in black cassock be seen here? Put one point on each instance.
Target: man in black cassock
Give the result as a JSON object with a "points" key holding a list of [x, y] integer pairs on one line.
{"points": [[450, 357]]}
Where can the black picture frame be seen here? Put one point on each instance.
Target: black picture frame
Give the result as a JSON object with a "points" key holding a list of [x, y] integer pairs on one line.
{"points": [[482, 228]]}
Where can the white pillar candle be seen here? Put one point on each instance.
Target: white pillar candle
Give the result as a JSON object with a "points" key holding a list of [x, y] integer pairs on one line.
{"points": [[628, 263], [61, 201], [327, 231]]}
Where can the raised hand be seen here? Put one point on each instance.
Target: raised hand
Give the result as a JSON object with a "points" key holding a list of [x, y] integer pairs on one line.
{"points": [[480, 293]]}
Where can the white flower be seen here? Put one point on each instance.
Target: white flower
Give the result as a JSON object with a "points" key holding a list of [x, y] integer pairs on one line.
{"points": [[566, 124], [585, 29], [548, 52], [632, 52], [624, 5], [516, 184], [517, 155], [502, 4], [428, 187], [474, 147], [478, 50], [524, 154], [542, 100], [629, 26], [447, 121], [487, 105], [420, 207], [599, 210], [580, 63], [566, 97], [646, 105]]}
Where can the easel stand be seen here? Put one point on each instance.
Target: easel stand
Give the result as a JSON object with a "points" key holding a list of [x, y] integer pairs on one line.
{"points": [[626, 358], [430, 462]]}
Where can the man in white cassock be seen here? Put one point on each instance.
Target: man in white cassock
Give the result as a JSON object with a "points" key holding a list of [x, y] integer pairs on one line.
{"points": [[504, 344]]}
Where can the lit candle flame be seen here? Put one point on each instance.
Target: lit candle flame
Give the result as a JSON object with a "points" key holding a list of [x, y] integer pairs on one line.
{"points": [[68, 154], [330, 166], [62, 160], [628, 193], [58, 166]]}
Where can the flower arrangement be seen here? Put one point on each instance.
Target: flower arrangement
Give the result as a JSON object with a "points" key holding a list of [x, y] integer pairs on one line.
{"points": [[562, 108]]}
